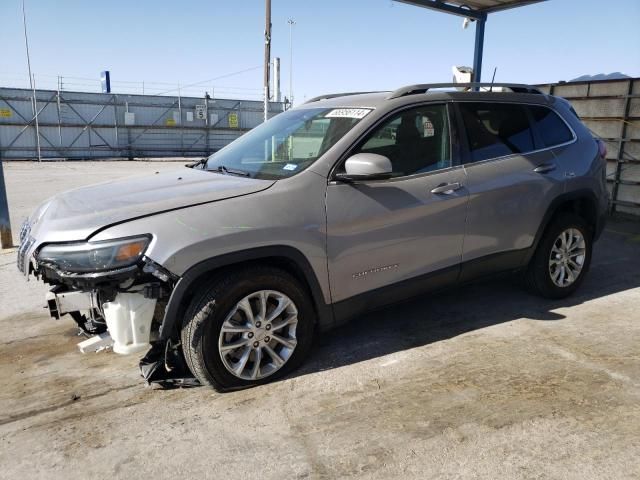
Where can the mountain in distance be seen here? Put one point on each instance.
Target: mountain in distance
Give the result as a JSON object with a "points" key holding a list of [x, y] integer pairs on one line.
{"points": [[601, 76]]}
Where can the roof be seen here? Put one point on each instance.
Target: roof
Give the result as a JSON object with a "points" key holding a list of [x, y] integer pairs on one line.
{"points": [[380, 99], [427, 88], [480, 6]]}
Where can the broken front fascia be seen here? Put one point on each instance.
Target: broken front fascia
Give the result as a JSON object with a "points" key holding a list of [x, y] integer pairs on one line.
{"points": [[122, 301], [144, 287]]}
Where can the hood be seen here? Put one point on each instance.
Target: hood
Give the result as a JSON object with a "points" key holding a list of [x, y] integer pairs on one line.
{"points": [[76, 214]]}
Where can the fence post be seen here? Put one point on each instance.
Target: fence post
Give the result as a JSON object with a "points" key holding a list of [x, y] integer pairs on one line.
{"points": [[621, 145], [115, 121], [6, 238], [128, 129], [207, 119], [180, 122], [58, 106]]}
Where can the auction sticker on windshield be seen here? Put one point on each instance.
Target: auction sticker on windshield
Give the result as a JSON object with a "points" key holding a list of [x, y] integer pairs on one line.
{"points": [[348, 113]]}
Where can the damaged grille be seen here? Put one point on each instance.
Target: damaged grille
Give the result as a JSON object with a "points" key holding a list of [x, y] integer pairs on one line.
{"points": [[25, 229], [26, 242]]}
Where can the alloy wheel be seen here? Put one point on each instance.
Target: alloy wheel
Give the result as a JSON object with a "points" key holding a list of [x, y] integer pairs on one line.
{"points": [[258, 335], [567, 257]]}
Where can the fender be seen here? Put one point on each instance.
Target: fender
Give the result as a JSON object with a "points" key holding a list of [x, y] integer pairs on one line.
{"points": [[184, 284], [556, 205]]}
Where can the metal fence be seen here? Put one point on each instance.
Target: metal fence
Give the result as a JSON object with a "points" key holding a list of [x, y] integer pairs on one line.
{"points": [[81, 125], [611, 110]]}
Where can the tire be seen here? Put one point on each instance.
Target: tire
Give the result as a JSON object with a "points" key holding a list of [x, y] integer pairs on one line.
{"points": [[539, 276], [242, 291]]}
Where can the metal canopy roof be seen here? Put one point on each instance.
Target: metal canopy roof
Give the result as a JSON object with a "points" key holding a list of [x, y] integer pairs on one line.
{"points": [[477, 10], [470, 8]]}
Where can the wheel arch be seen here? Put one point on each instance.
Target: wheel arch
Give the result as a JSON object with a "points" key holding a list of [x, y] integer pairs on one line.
{"points": [[287, 258], [582, 202]]}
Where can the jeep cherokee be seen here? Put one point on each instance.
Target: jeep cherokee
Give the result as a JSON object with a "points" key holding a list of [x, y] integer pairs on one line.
{"points": [[346, 203]]}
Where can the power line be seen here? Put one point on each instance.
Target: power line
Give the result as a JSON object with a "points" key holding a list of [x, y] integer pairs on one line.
{"points": [[33, 87], [212, 79]]}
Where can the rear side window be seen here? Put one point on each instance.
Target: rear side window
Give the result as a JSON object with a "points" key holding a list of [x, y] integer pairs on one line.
{"points": [[496, 130], [552, 129]]}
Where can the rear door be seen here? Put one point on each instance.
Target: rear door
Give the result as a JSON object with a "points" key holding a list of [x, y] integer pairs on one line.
{"points": [[383, 233], [512, 179]]}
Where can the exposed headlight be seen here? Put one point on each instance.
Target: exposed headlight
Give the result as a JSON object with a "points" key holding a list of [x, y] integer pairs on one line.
{"points": [[94, 256]]}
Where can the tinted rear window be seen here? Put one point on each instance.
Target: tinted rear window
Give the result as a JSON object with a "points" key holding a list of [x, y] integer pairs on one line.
{"points": [[496, 130], [552, 129]]}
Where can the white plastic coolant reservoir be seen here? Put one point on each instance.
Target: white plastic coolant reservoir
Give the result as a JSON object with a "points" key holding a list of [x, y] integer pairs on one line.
{"points": [[129, 319]]}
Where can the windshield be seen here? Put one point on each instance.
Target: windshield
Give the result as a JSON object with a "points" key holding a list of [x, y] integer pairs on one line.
{"points": [[286, 144]]}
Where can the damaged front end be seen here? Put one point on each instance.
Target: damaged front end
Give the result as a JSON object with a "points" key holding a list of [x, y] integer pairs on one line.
{"points": [[113, 292]]}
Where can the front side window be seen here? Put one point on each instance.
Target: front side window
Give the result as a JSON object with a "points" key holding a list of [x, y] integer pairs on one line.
{"points": [[415, 140], [552, 129], [496, 130], [286, 144]]}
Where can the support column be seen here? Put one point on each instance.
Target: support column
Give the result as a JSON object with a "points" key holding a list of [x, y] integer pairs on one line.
{"points": [[479, 47], [6, 239]]}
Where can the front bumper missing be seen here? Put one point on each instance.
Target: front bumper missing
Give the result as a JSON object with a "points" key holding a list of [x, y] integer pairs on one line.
{"points": [[67, 302], [108, 300], [128, 316]]}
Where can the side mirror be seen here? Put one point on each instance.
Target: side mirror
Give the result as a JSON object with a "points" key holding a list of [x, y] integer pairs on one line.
{"points": [[366, 166]]}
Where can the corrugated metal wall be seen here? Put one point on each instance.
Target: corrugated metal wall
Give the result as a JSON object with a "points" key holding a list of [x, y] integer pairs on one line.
{"points": [[611, 109], [93, 125]]}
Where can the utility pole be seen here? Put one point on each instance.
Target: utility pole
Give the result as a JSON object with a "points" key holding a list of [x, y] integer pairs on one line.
{"points": [[291, 23], [267, 57]]}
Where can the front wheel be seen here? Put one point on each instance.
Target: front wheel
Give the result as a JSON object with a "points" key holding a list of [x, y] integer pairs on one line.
{"points": [[562, 258], [248, 328]]}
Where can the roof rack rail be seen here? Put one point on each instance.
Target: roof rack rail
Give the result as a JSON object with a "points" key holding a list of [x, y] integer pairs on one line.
{"points": [[424, 88], [334, 95]]}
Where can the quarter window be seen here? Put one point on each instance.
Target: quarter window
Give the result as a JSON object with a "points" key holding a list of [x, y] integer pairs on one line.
{"points": [[496, 130], [552, 129], [415, 140]]}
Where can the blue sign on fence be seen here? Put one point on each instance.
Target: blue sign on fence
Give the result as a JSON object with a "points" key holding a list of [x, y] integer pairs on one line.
{"points": [[105, 80]]}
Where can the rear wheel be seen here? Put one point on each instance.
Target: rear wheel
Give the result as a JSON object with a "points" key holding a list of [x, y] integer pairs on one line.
{"points": [[562, 258], [250, 327]]}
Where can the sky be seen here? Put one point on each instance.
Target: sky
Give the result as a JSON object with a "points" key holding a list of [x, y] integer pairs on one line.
{"points": [[338, 46]]}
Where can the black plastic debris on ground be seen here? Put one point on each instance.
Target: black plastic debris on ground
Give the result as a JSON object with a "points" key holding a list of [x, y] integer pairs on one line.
{"points": [[164, 365]]}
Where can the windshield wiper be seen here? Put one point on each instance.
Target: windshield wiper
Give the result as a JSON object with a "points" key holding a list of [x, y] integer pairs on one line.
{"points": [[202, 161], [231, 171]]}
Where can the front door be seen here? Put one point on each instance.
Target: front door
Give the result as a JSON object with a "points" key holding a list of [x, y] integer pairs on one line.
{"points": [[402, 232]]}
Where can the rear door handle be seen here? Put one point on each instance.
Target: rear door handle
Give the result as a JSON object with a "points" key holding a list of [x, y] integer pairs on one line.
{"points": [[545, 168], [446, 188]]}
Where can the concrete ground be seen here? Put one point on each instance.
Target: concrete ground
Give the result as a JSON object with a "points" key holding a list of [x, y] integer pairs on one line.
{"points": [[483, 382]]}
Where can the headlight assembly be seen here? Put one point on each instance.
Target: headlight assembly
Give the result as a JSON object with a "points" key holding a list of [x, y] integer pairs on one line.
{"points": [[94, 256]]}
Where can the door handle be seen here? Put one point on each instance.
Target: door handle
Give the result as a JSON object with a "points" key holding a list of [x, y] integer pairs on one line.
{"points": [[545, 168], [446, 188]]}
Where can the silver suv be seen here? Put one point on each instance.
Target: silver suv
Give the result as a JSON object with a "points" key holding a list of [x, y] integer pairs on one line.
{"points": [[347, 203]]}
